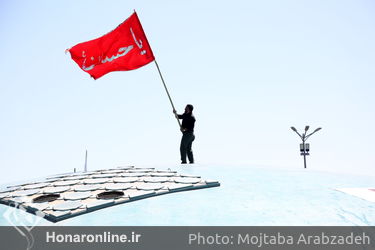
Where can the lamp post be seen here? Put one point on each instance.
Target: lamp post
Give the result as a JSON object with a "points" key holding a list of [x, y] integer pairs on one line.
{"points": [[305, 147]]}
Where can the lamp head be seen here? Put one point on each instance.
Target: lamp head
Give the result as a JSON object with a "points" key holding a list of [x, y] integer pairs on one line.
{"points": [[307, 128], [294, 129], [316, 130]]}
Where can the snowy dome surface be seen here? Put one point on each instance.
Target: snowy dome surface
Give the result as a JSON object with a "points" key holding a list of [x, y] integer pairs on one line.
{"points": [[248, 196]]}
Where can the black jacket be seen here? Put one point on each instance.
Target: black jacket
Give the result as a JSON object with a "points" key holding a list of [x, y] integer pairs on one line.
{"points": [[188, 121]]}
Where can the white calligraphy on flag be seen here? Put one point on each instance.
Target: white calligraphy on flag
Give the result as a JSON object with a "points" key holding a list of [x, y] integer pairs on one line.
{"points": [[121, 52]]}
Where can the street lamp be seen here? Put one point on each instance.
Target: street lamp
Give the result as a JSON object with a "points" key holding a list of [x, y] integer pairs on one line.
{"points": [[305, 147]]}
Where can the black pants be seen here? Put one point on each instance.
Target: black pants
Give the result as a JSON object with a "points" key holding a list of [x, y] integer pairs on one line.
{"points": [[185, 147]]}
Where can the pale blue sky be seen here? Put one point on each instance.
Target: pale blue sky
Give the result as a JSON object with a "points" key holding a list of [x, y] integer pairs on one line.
{"points": [[252, 69]]}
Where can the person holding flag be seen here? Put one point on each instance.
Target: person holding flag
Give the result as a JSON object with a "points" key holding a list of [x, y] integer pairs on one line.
{"points": [[126, 48], [187, 129]]}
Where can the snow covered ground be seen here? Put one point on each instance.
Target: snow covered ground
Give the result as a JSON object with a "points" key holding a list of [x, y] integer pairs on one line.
{"points": [[247, 196]]}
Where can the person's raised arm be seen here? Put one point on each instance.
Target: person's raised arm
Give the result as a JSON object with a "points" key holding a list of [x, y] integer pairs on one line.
{"points": [[177, 115]]}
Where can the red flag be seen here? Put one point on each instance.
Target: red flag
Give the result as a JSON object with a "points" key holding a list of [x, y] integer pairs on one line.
{"points": [[124, 48]]}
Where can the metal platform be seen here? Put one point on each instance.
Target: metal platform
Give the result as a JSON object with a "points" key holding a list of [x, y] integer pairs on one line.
{"points": [[64, 196]]}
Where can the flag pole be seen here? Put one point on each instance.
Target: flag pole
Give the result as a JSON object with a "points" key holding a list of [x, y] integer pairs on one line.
{"points": [[166, 90]]}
